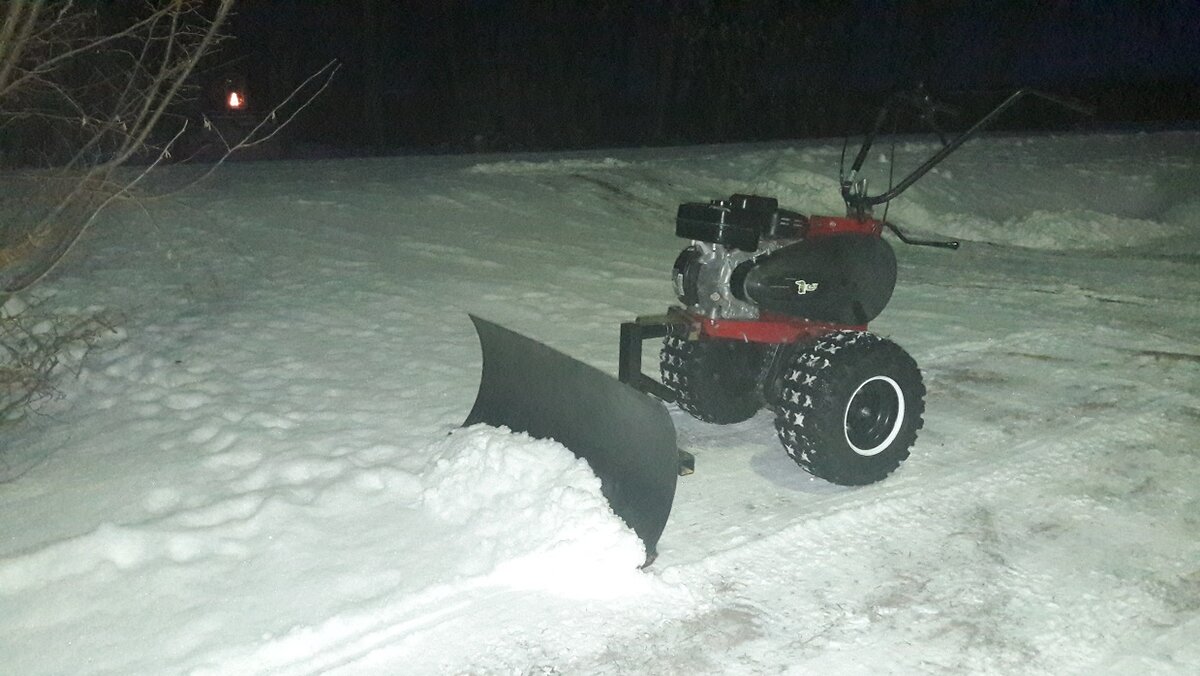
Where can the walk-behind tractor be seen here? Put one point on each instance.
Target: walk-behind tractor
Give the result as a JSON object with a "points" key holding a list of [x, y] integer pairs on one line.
{"points": [[773, 313]]}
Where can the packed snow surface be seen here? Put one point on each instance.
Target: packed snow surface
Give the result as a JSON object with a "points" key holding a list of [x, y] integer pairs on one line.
{"points": [[263, 470]]}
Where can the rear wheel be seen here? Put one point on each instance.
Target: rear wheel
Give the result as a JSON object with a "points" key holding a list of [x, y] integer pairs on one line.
{"points": [[716, 381], [850, 407]]}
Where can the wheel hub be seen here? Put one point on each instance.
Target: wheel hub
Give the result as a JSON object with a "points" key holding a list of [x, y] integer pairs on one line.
{"points": [[874, 415]]}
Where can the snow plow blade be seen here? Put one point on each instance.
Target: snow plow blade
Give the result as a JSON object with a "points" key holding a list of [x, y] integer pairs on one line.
{"points": [[626, 437]]}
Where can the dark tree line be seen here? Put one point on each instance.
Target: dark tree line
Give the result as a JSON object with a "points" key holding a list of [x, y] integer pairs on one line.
{"points": [[536, 74]]}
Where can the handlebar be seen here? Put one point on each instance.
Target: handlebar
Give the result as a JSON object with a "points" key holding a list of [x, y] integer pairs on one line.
{"points": [[859, 204]]}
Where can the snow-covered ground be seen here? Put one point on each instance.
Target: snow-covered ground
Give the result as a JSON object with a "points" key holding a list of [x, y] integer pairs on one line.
{"points": [[257, 475]]}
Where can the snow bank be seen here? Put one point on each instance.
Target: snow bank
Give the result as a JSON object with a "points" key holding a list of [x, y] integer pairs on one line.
{"points": [[1071, 229], [534, 512], [546, 166], [1083, 229]]}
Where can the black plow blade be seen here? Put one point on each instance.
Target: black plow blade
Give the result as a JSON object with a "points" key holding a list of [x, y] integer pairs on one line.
{"points": [[624, 435]]}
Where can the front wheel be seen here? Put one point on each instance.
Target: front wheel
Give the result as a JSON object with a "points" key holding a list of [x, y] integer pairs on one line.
{"points": [[850, 407], [716, 381]]}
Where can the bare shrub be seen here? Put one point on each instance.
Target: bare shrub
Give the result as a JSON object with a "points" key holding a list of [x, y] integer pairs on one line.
{"points": [[84, 90], [35, 344]]}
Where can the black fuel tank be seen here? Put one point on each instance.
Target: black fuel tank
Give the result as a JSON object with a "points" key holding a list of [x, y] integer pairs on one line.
{"points": [[843, 279]]}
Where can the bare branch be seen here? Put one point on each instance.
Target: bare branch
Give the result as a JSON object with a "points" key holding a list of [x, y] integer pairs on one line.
{"points": [[102, 111], [91, 117], [324, 75], [150, 116], [44, 67], [14, 37]]}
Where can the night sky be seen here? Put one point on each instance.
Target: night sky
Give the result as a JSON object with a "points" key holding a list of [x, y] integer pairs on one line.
{"points": [[500, 75]]}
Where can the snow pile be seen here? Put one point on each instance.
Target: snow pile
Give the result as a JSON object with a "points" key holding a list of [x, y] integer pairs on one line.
{"points": [[1084, 229], [1071, 229], [1184, 214], [818, 192], [306, 578], [497, 528], [534, 514], [543, 166]]}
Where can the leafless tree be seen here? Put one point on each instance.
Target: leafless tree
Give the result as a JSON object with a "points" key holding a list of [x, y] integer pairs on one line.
{"points": [[89, 94], [84, 95], [80, 101]]}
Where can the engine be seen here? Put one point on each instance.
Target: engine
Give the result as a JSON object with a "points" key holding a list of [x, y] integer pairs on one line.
{"points": [[748, 257]]}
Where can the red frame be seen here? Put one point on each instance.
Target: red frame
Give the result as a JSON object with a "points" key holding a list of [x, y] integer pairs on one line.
{"points": [[828, 226], [770, 329]]}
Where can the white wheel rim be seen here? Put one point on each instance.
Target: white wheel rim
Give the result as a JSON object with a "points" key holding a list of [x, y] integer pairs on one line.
{"points": [[896, 425]]}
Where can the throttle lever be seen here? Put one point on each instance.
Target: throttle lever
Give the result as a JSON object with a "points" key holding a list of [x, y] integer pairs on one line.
{"points": [[940, 244]]}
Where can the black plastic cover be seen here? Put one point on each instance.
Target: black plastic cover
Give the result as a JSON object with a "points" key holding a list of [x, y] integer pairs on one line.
{"points": [[768, 218], [845, 279], [738, 222], [717, 223]]}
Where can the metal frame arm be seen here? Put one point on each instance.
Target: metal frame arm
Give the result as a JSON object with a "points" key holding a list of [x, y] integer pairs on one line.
{"points": [[860, 203]]}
